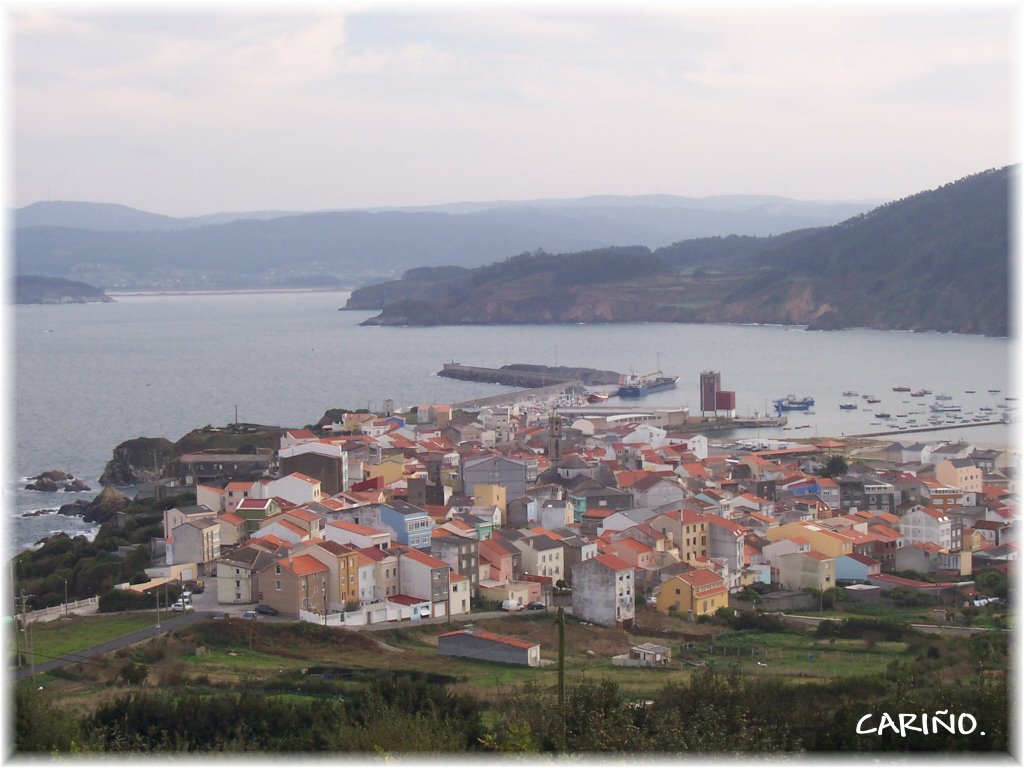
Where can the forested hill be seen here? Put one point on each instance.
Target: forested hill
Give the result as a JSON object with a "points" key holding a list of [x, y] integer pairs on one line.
{"points": [[32, 289], [938, 260]]}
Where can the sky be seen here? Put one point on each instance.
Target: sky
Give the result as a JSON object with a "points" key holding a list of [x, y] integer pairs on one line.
{"points": [[185, 111]]}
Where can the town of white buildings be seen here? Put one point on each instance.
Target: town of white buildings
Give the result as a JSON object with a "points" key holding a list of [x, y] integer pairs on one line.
{"points": [[391, 517]]}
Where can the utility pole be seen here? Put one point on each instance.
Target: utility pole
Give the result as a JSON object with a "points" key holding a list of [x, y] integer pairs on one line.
{"points": [[156, 592], [65, 595], [561, 670], [27, 630]]}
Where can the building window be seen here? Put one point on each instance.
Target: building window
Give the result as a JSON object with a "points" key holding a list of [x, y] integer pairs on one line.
{"points": [[277, 585]]}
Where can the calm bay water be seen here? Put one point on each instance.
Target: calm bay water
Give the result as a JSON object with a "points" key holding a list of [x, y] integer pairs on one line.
{"points": [[87, 377]]}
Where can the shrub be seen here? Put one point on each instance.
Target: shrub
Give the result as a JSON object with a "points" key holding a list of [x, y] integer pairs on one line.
{"points": [[133, 673]]}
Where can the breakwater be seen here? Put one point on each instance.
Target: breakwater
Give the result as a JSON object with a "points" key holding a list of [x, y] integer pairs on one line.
{"points": [[529, 376]]}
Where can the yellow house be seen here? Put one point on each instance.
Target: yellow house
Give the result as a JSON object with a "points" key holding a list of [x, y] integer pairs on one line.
{"points": [[391, 468], [829, 543], [490, 496], [960, 473], [688, 529], [700, 592]]}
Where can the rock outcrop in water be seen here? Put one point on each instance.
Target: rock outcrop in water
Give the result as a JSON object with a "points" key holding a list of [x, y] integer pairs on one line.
{"points": [[99, 510], [50, 481]]}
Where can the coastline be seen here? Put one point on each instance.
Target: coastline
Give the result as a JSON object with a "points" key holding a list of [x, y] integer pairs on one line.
{"points": [[228, 291]]}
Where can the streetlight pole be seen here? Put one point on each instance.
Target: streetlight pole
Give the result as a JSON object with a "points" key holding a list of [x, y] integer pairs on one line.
{"points": [[65, 594], [156, 592]]}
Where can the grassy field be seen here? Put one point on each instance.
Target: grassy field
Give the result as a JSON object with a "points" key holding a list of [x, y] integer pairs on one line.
{"points": [[66, 636], [302, 660], [790, 654]]}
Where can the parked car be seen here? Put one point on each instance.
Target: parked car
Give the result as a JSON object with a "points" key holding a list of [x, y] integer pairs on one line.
{"points": [[250, 615], [266, 610], [511, 605], [180, 605], [535, 606]]}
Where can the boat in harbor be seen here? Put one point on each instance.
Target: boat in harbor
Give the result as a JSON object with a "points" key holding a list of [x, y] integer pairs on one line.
{"points": [[848, 406], [944, 408], [901, 389], [597, 397], [793, 403], [849, 394], [943, 397], [920, 393], [633, 385], [884, 415]]}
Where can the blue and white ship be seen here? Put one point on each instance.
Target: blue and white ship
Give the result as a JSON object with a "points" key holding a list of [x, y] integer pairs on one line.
{"points": [[633, 385], [793, 403]]}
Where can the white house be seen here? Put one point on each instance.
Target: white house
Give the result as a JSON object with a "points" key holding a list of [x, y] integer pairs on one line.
{"points": [[928, 524], [296, 488], [360, 536]]}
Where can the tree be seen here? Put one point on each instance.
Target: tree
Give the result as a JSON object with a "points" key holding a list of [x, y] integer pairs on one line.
{"points": [[835, 466]]}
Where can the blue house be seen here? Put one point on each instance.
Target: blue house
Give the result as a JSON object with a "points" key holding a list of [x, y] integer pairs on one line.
{"points": [[410, 524]]}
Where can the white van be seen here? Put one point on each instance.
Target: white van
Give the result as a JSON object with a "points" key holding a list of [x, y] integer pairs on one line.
{"points": [[511, 605]]}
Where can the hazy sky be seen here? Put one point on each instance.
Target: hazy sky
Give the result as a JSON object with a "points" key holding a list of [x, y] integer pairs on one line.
{"points": [[175, 111]]}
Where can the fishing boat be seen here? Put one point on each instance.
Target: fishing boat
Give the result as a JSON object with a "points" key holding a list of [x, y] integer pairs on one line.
{"points": [[793, 403], [597, 397], [633, 385], [943, 397], [901, 389], [920, 393], [849, 394], [848, 406], [884, 415], [944, 408], [872, 399]]}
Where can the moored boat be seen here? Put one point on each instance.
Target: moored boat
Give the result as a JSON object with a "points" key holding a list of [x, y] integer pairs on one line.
{"points": [[633, 385], [793, 403], [901, 389]]}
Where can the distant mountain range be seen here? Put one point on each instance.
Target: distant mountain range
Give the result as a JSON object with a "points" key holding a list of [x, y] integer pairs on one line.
{"points": [[938, 260], [124, 248]]}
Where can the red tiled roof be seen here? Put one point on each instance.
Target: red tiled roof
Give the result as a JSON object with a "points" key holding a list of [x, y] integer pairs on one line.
{"points": [[491, 637], [232, 518], [406, 600], [363, 530], [701, 577], [422, 558], [614, 562], [303, 565]]}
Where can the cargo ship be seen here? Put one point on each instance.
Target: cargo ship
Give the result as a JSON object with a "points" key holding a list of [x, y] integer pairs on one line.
{"points": [[793, 403], [633, 385]]}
